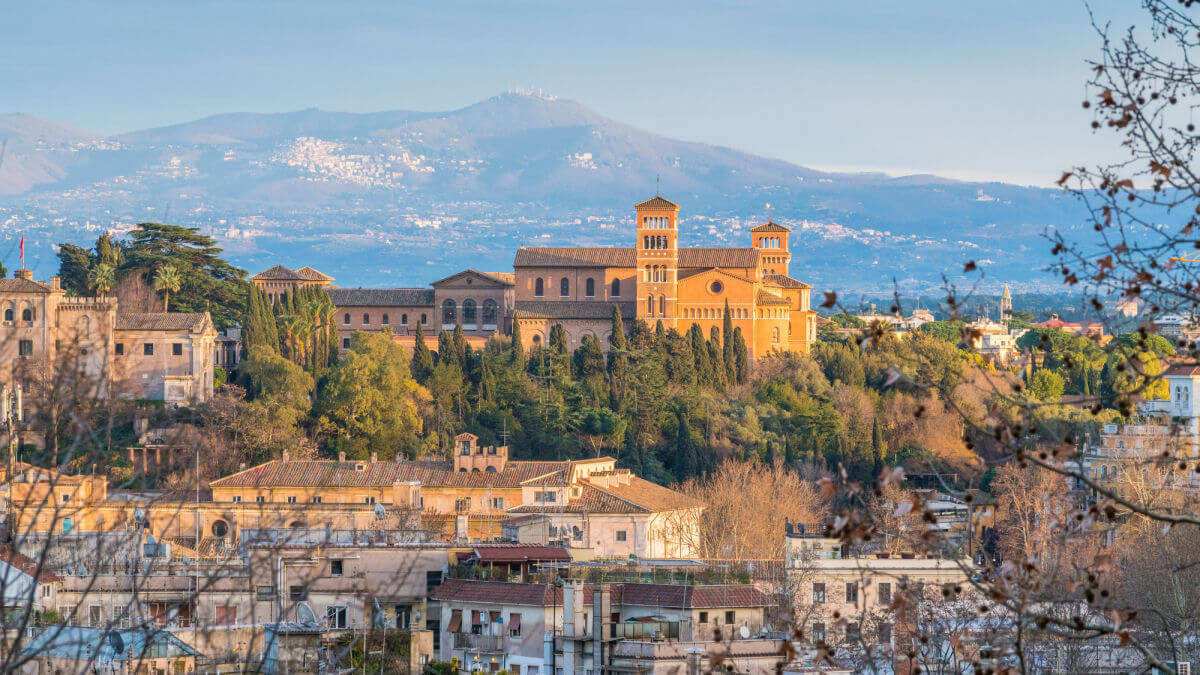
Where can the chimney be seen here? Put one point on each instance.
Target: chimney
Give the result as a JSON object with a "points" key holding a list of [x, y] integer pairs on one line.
{"points": [[55, 284], [26, 274], [374, 457], [341, 456], [285, 456]]}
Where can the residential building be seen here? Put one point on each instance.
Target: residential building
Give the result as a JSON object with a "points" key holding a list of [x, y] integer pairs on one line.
{"points": [[278, 280], [1087, 329], [25, 585], [658, 280], [81, 649]]}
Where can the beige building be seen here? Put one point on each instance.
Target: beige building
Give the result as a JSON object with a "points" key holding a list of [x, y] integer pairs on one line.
{"points": [[278, 281]]}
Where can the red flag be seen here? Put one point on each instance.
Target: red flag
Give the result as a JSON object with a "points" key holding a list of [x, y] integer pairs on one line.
{"points": [[22, 247]]}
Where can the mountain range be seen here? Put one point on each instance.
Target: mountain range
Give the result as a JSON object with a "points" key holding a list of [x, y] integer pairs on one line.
{"points": [[403, 198]]}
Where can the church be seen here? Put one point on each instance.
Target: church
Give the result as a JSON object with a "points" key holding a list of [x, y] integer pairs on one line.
{"points": [[658, 280]]}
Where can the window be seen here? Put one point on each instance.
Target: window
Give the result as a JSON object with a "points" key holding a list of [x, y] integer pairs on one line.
{"points": [[148, 349], [317, 500], [335, 616], [851, 591], [818, 592], [470, 316], [564, 287], [548, 496], [120, 348], [730, 617], [66, 498], [885, 633], [237, 499], [385, 320], [490, 313], [260, 499], [346, 319], [25, 347], [589, 288], [345, 343], [449, 312], [662, 305], [514, 624], [292, 499], [818, 632], [368, 500], [220, 528], [403, 319], [226, 615], [366, 319], [8, 315], [27, 314], [885, 594], [335, 568], [616, 288], [497, 502], [264, 593], [95, 615], [703, 617], [177, 349], [650, 305], [68, 524], [576, 533], [297, 593], [716, 286], [621, 535], [424, 319]]}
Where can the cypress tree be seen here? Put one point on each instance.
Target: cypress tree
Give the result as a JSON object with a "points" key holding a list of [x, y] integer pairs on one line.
{"points": [[687, 463], [741, 355], [618, 358], [727, 350], [517, 355], [462, 351], [704, 369], [716, 358], [445, 351], [422, 360], [558, 339]]}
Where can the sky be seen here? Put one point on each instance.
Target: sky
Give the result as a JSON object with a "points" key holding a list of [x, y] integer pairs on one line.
{"points": [[961, 88]]}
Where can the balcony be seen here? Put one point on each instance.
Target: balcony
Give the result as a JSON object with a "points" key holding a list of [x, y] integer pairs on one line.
{"points": [[479, 644]]}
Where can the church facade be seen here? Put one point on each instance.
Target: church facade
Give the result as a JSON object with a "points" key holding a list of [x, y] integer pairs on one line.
{"points": [[658, 280]]}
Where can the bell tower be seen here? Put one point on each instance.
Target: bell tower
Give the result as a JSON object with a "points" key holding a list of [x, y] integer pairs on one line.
{"points": [[657, 249], [771, 240]]}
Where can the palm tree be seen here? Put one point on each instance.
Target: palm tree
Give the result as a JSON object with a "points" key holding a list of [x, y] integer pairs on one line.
{"points": [[166, 281], [101, 278]]}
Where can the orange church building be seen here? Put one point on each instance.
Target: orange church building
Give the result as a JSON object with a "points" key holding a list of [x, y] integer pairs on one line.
{"points": [[657, 280]]}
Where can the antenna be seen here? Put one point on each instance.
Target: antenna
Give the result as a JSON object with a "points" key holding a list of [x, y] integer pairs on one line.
{"points": [[657, 185]]}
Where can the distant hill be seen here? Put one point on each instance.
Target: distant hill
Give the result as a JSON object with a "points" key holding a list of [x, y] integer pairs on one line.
{"points": [[394, 189]]}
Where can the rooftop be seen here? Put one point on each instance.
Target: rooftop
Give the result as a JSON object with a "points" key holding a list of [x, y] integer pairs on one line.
{"points": [[770, 226], [626, 257], [172, 321], [657, 202], [381, 297]]}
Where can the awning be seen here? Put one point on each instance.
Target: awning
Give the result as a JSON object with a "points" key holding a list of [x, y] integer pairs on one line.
{"points": [[455, 621], [514, 621], [495, 615]]}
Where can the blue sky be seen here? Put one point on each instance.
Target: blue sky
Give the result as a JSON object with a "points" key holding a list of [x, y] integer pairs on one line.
{"points": [[963, 88]]}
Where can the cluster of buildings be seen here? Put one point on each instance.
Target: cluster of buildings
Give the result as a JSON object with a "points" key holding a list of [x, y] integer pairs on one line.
{"points": [[655, 280]]}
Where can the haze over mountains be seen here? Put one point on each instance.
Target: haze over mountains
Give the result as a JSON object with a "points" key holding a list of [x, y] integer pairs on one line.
{"points": [[403, 198]]}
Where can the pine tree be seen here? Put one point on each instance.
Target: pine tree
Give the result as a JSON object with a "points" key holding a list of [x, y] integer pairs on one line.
{"points": [[727, 350], [422, 360], [742, 356]]}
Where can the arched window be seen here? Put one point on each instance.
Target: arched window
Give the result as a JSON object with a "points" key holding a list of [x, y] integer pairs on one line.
{"points": [[85, 325], [537, 339], [469, 315], [646, 242], [490, 469], [449, 312], [650, 305], [403, 319], [385, 319], [564, 287], [590, 288], [662, 305], [775, 334], [539, 287], [490, 312], [27, 314], [366, 319], [8, 314], [616, 288], [220, 528], [346, 319], [424, 319]]}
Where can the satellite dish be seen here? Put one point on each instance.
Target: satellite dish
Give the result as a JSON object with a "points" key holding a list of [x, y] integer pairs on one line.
{"points": [[744, 632], [304, 613], [380, 513], [116, 642]]}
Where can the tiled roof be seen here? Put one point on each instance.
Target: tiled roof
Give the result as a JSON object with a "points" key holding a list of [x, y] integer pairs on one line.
{"points": [[657, 202], [278, 273], [381, 297], [496, 592], [522, 520], [504, 280], [313, 275], [504, 276], [27, 565], [627, 257], [502, 553], [783, 281], [15, 285], [651, 495], [329, 473], [570, 309], [638, 496], [765, 298], [770, 227], [162, 321], [693, 597], [1183, 370]]}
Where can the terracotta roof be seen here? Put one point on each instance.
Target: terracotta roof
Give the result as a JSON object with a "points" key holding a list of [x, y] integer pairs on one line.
{"points": [[278, 273], [651, 495], [487, 275], [657, 202], [770, 227], [15, 285], [571, 309], [638, 496], [173, 321], [313, 275], [27, 565], [503, 553], [381, 297], [627, 257], [766, 298], [329, 473], [693, 597], [1183, 370], [522, 520], [783, 281], [496, 592]]}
